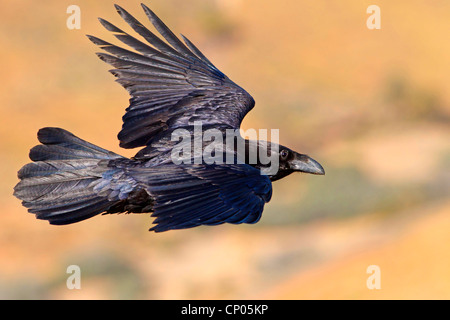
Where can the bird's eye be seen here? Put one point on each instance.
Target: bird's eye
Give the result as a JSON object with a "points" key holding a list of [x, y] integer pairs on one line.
{"points": [[284, 154]]}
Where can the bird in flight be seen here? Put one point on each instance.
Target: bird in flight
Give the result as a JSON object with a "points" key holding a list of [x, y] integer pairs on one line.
{"points": [[173, 87]]}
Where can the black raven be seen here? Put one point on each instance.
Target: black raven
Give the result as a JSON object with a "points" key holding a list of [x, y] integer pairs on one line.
{"points": [[173, 87]]}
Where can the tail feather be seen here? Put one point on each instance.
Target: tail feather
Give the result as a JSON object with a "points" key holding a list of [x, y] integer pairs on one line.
{"points": [[59, 144], [74, 213], [59, 185], [51, 186], [50, 167], [61, 202]]}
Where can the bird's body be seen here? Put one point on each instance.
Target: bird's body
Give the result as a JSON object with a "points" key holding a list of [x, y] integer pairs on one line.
{"points": [[197, 181]]}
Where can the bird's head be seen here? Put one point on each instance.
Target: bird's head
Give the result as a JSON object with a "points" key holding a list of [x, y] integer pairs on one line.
{"points": [[290, 161]]}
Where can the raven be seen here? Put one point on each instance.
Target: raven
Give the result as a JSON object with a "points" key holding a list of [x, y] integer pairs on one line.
{"points": [[173, 86]]}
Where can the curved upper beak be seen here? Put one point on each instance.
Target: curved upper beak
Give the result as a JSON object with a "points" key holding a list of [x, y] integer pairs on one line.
{"points": [[303, 163]]}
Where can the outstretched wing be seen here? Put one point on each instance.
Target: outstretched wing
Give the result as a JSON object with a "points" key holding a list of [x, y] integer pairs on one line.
{"points": [[171, 84], [192, 195]]}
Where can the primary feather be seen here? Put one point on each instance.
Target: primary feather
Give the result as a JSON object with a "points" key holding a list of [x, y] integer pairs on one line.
{"points": [[171, 84]]}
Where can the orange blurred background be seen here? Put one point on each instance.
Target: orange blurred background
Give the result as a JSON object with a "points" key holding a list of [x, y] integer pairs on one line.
{"points": [[373, 106]]}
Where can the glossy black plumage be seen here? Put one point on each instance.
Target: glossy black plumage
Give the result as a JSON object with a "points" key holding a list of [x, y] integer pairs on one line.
{"points": [[172, 86]]}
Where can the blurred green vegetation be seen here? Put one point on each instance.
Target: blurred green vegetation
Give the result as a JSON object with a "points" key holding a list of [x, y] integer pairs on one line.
{"points": [[98, 265], [347, 192], [408, 102]]}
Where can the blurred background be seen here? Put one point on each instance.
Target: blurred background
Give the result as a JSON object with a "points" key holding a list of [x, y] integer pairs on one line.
{"points": [[372, 106]]}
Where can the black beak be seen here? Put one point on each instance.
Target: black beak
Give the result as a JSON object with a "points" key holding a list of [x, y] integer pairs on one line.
{"points": [[303, 163]]}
